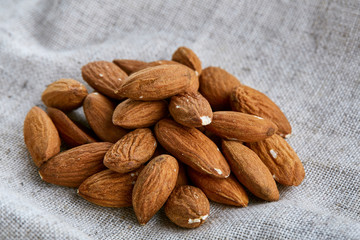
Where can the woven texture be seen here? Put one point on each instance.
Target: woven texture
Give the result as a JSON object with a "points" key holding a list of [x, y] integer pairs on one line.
{"points": [[305, 55]]}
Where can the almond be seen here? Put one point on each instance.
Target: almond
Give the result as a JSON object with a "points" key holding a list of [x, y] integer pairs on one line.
{"points": [[216, 85], [226, 191], [157, 83], [281, 159], [153, 187], [64, 94], [248, 100], [132, 114], [41, 137], [72, 167], [192, 147], [109, 189], [99, 111], [241, 126], [70, 133], [130, 66], [131, 151], [187, 207], [190, 109], [250, 170], [182, 177], [104, 77], [187, 57]]}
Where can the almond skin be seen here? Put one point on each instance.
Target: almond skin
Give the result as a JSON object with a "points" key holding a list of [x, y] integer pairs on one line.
{"points": [[191, 109], [130, 66], [216, 85], [70, 133], [281, 159], [250, 170], [248, 100], [104, 77], [192, 147], [187, 207], [187, 57], [226, 191], [157, 83], [109, 189], [72, 167], [153, 186], [182, 177], [241, 126], [132, 114], [131, 151], [40, 135], [64, 94], [99, 111]]}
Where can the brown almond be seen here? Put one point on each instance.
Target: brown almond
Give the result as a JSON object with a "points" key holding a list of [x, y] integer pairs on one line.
{"points": [[132, 114], [72, 167], [241, 126], [109, 189], [187, 57], [131, 151], [64, 94], [130, 66], [226, 191], [191, 109], [157, 83], [153, 187], [248, 100], [250, 170], [40, 135], [104, 77], [281, 159], [99, 111], [216, 85], [192, 147], [187, 207], [182, 177], [72, 134]]}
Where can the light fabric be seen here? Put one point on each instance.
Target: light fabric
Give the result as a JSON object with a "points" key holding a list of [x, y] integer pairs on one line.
{"points": [[305, 55]]}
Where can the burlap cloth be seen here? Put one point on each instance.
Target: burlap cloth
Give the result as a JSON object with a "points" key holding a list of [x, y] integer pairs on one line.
{"points": [[305, 55]]}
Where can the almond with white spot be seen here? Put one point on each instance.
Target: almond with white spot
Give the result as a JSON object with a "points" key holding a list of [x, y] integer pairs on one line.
{"points": [[131, 151], [104, 77], [153, 186], [281, 159], [192, 147], [187, 207], [191, 109]]}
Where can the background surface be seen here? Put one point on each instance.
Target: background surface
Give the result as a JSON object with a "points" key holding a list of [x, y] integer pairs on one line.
{"points": [[305, 55]]}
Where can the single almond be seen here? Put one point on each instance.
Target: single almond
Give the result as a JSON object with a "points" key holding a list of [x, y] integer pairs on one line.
{"points": [[281, 159], [191, 109], [248, 100], [64, 94], [131, 151], [182, 177], [216, 85], [132, 114], [250, 170], [72, 167], [187, 57], [99, 111], [226, 191], [69, 132], [104, 77], [109, 189], [130, 66], [187, 207], [241, 126], [157, 83], [153, 187], [40, 135], [192, 147]]}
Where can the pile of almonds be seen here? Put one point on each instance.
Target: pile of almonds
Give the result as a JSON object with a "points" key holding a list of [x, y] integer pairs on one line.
{"points": [[158, 127]]}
